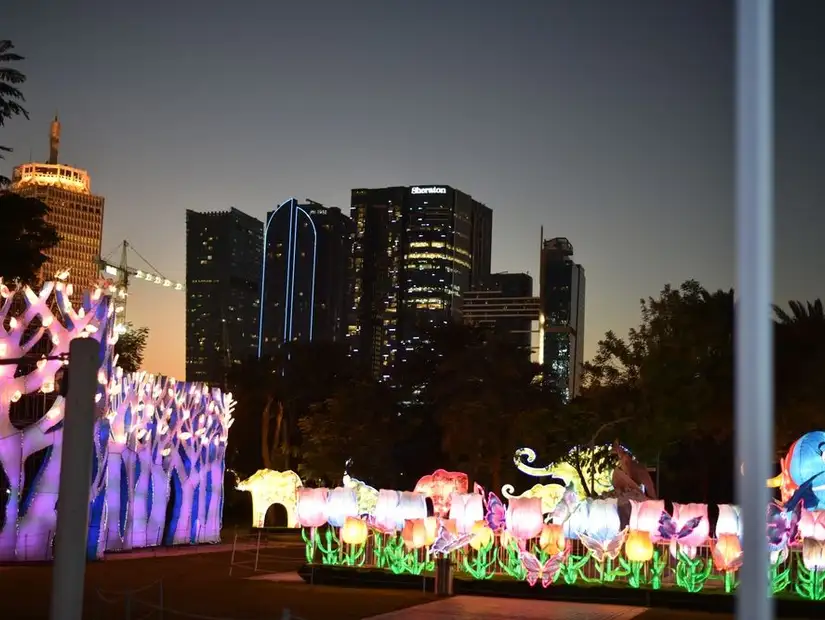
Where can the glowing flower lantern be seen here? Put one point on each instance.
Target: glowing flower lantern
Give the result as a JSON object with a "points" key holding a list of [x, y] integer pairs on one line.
{"points": [[466, 509], [729, 520], [812, 524], [386, 515], [430, 528], [414, 534], [482, 535], [524, 517], [354, 531], [574, 519], [727, 553], [410, 506], [440, 485], [603, 535], [552, 540], [603, 522], [645, 516], [312, 507], [813, 554], [638, 547], [682, 513], [341, 503]]}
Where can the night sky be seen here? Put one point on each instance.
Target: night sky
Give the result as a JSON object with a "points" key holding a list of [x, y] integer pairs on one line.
{"points": [[608, 122]]}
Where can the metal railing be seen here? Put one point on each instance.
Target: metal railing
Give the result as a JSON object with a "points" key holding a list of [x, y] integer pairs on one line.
{"points": [[259, 552]]}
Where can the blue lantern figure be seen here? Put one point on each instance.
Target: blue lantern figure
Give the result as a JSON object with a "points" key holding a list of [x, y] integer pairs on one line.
{"points": [[805, 465]]}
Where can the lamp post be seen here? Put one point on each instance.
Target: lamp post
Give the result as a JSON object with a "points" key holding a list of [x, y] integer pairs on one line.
{"points": [[754, 328], [75, 477]]}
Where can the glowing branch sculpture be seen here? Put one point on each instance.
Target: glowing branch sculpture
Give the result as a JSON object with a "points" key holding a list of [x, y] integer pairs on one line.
{"points": [[156, 440], [30, 520], [167, 441]]}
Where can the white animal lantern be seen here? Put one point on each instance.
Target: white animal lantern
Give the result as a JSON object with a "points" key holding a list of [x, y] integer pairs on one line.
{"points": [[270, 487]]}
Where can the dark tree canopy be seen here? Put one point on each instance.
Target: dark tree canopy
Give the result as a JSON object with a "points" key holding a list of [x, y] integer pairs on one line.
{"points": [[130, 347], [284, 386], [356, 423], [465, 399], [25, 237], [800, 364], [11, 97]]}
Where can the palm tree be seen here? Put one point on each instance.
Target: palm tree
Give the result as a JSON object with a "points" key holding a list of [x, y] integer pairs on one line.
{"points": [[10, 95], [800, 362], [801, 313]]}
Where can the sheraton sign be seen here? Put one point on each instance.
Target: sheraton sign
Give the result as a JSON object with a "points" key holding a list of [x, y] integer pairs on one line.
{"points": [[429, 190]]}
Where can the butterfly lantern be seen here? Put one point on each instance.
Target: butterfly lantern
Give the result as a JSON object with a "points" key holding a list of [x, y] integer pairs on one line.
{"points": [[495, 513], [537, 571], [687, 530], [446, 542]]}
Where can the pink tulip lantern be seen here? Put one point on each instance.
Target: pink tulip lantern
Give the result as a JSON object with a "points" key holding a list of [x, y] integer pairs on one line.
{"points": [[411, 505], [812, 524], [728, 521], [312, 507], [341, 503], [524, 517], [645, 516], [385, 517], [682, 513], [466, 509]]}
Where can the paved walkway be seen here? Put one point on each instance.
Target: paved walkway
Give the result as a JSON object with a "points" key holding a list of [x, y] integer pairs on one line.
{"points": [[487, 608]]}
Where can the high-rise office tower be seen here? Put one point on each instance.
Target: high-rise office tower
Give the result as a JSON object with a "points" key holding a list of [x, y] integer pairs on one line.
{"points": [[223, 282], [561, 322], [417, 250], [505, 305], [75, 212], [305, 286]]}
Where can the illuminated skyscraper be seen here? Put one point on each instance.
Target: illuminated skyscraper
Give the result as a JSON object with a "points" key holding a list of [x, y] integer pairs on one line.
{"points": [[561, 322], [504, 304], [305, 282], [223, 282], [417, 250], [76, 213]]}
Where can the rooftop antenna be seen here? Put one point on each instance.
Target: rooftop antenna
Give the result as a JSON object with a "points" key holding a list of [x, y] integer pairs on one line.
{"points": [[54, 140]]}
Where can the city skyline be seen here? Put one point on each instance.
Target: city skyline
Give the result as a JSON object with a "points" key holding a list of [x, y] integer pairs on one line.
{"points": [[634, 166]]}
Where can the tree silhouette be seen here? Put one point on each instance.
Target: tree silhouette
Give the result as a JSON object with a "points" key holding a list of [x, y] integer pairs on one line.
{"points": [[801, 312], [356, 423], [672, 378], [130, 348], [799, 365], [487, 401], [10, 95], [25, 238]]}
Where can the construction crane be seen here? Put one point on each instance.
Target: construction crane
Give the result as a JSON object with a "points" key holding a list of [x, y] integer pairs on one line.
{"points": [[123, 273]]}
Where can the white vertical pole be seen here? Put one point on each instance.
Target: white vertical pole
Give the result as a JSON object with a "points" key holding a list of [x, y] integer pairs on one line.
{"points": [[754, 327], [75, 480]]}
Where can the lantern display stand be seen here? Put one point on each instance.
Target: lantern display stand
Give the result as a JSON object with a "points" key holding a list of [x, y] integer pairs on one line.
{"points": [[443, 576]]}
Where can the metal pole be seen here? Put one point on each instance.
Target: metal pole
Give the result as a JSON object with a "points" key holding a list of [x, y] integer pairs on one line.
{"points": [[754, 327], [75, 479]]}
